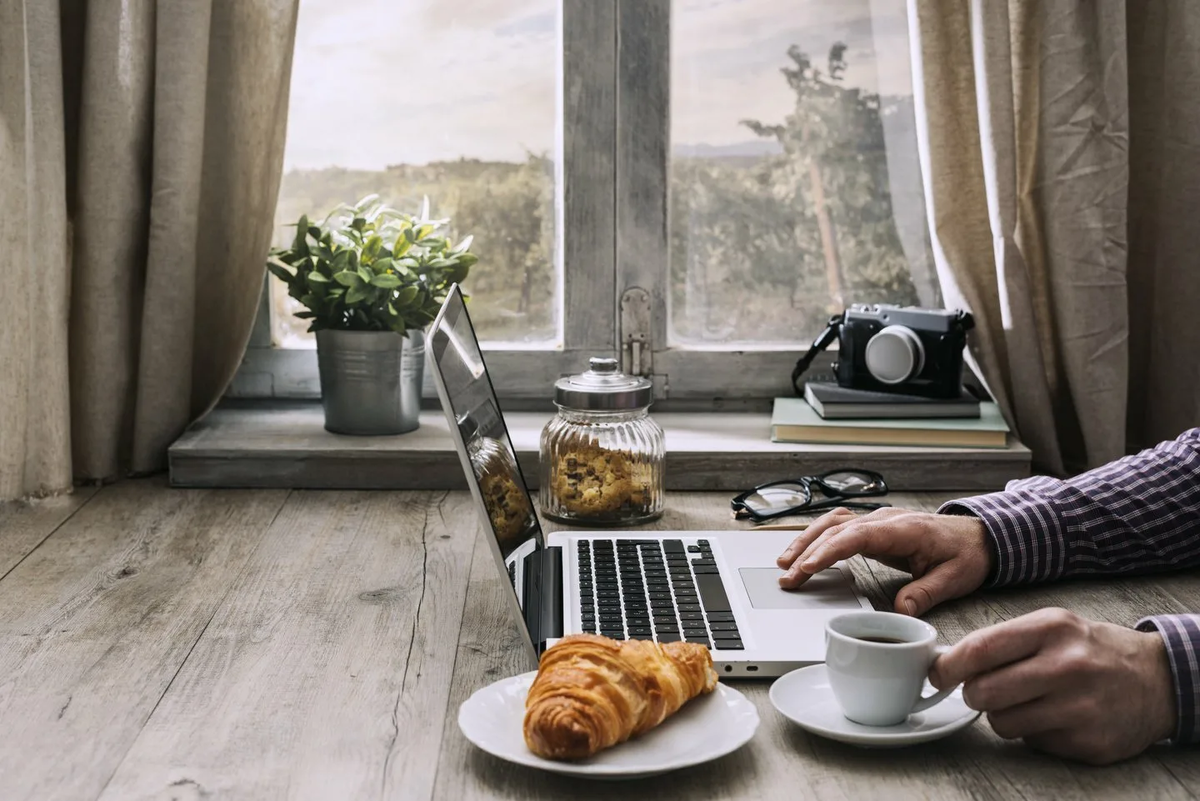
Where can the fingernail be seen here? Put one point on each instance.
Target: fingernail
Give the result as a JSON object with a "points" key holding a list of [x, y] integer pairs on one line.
{"points": [[910, 607]]}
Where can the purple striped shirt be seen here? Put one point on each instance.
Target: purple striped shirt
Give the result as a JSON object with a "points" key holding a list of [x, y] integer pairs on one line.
{"points": [[1139, 514]]}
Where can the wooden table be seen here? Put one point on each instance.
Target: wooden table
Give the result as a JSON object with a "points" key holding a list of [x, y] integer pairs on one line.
{"points": [[261, 644]]}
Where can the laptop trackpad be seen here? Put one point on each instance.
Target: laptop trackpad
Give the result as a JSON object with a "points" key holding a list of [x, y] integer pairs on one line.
{"points": [[829, 589]]}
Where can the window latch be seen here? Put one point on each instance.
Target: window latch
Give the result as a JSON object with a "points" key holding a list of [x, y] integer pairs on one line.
{"points": [[637, 356]]}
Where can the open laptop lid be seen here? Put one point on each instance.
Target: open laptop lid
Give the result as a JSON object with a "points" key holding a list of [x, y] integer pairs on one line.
{"points": [[529, 568]]}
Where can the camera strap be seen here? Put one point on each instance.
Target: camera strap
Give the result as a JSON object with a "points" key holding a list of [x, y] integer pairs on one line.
{"points": [[819, 344]]}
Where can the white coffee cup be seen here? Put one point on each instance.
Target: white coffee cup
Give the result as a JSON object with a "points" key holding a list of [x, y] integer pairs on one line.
{"points": [[877, 664]]}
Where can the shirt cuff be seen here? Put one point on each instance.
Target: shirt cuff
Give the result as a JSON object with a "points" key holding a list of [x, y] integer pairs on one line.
{"points": [[1181, 634], [1027, 534]]}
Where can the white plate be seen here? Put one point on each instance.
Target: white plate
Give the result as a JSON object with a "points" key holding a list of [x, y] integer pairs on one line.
{"points": [[705, 728], [805, 697]]}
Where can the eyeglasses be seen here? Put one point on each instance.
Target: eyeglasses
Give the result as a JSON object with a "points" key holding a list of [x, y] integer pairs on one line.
{"points": [[793, 495]]}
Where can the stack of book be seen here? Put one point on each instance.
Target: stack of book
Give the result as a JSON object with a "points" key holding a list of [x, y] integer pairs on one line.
{"points": [[829, 413]]}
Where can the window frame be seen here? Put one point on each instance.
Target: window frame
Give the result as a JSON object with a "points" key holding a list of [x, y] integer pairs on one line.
{"points": [[612, 230], [643, 225]]}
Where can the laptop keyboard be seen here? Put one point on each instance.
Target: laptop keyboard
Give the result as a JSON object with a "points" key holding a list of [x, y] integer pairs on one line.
{"points": [[663, 590]]}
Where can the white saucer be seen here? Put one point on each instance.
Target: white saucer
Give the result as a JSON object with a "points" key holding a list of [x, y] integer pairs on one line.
{"points": [[705, 728], [805, 697]]}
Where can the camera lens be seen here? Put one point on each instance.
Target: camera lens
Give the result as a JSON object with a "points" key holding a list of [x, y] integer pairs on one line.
{"points": [[895, 355]]}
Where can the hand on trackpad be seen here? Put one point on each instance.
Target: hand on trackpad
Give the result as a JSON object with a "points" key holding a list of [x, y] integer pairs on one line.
{"points": [[829, 589]]}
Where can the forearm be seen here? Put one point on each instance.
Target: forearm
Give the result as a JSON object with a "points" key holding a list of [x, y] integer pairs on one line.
{"points": [[1137, 514], [1181, 635]]}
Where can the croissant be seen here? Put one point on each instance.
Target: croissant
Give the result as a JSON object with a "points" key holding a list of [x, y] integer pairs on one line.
{"points": [[592, 692]]}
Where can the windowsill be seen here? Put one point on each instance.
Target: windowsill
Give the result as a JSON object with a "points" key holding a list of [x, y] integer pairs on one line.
{"points": [[284, 444]]}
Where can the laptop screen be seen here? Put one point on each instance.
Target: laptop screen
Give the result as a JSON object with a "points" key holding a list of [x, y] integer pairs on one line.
{"points": [[484, 446]]}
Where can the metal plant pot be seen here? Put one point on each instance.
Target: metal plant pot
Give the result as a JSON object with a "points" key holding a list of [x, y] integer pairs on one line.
{"points": [[371, 380]]}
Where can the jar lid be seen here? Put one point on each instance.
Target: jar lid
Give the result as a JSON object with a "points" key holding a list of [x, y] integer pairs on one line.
{"points": [[603, 388]]}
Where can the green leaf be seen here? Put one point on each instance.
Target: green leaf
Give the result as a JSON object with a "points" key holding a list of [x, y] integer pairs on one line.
{"points": [[386, 281], [366, 202], [300, 243], [402, 245], [356, 294], [424, 231], [373, 245], [467, 260], [464, 245], [341, 261], [347, 278], [365, 274], [457, 274], [316, 277], [392, 310], [382, 265], [410, 236], [280, 272], [406, 296]]}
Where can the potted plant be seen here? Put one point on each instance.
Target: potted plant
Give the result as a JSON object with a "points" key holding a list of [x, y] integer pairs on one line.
{"points": [[371, 279]]}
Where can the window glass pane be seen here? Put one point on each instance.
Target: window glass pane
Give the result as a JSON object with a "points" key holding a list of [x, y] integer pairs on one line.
{"points": [[795, 185], [453, 100]]}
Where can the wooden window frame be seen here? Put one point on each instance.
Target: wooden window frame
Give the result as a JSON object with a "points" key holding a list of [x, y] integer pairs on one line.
{"points": [[612, 229]]}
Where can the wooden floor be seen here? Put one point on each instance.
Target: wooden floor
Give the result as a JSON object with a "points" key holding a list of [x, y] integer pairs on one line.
{"points": [[260, 644]]}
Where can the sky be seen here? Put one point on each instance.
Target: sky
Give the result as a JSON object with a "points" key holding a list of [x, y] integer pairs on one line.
{"points": [[379, 82]]}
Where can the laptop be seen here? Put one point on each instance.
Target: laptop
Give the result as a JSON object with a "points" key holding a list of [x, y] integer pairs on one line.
{"points": [[717, 588]]}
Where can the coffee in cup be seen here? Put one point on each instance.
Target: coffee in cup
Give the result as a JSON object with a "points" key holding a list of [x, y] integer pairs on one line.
{"points": [[877, 664]]}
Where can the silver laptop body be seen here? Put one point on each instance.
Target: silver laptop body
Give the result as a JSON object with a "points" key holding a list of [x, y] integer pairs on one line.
{"points": [[719, 588]]}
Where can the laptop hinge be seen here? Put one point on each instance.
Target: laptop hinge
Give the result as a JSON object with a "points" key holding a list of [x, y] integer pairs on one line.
{"points": [[544, 595], [552, 593]]}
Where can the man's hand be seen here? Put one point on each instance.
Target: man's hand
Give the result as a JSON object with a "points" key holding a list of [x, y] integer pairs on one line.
{"points": [[1090, 691], [947, 555]]}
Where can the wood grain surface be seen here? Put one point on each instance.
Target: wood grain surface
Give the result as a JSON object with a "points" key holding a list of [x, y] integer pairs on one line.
{"points": [[167, 644]]}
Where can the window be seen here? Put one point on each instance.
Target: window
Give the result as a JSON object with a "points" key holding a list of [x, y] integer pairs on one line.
{"points": [[785, 194], [695, 184], [462, 110]]}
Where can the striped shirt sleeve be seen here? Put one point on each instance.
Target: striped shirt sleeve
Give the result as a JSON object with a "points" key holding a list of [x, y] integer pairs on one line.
{"points": [[1138, 514], [1181, 634]]}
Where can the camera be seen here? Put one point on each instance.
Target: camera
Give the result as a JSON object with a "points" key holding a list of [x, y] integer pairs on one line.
{"points": [[888, 348]]}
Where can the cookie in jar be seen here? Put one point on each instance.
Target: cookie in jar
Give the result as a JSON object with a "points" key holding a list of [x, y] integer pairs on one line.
{"points": [[509, 508], [602, 455]]}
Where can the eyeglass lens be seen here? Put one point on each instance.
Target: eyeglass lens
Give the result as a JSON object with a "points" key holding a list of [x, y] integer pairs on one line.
{"points": [[778, 497], [852, 482]]}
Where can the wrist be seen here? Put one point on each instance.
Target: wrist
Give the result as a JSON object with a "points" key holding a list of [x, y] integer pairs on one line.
{"points": [[975, 546]]}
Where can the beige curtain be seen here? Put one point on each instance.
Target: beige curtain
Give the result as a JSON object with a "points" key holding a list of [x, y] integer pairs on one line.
{"points": [[1164, 218], [141, 146], [1025, 147]]}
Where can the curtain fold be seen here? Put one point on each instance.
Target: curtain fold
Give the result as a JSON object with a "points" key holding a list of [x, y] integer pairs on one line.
{"points": [[1164, 236], [1023, 136], [35, 426], [141, 146]]}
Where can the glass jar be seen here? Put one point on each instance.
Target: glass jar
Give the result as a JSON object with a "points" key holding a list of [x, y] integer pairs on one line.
{"points": [[602, 455]]}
